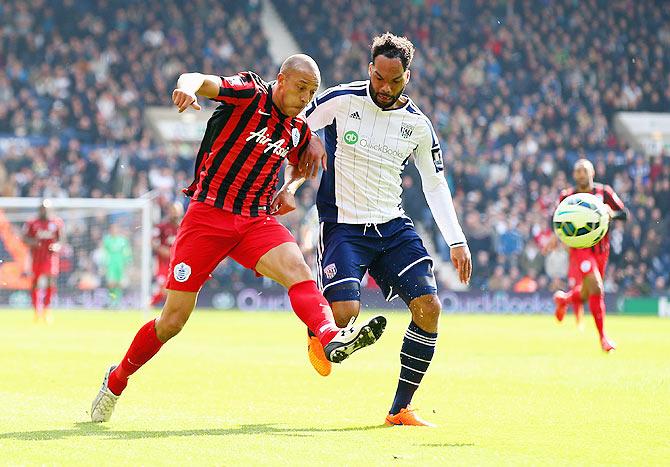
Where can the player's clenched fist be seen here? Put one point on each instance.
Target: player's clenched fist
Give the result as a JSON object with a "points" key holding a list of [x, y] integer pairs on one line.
{"points": [[183, 100]]}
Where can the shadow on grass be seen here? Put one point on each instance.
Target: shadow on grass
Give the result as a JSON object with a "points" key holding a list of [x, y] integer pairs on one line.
{"points": [[103, 431]]}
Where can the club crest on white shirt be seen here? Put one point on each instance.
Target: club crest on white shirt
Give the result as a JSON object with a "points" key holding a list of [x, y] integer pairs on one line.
{"points": [[405, 130]]}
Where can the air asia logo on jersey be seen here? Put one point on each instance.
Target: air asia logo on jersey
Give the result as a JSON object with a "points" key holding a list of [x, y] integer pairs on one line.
{"points": [[182, 272], [330, 270], [350, 137], [264, 139], [405, 130]]}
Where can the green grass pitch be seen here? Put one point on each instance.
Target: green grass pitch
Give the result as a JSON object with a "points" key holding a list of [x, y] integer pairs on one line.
{"points": [[237, 389]]}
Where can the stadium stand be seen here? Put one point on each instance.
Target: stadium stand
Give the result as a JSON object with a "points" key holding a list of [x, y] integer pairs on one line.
{"points": [[516, 94], [515, 98]]}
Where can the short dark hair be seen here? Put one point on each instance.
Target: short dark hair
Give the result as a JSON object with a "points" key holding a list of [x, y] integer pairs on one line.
{"points": [[392, 46]]}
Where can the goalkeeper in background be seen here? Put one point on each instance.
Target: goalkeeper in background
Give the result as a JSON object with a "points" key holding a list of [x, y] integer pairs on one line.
{"points": [[118, 256]]}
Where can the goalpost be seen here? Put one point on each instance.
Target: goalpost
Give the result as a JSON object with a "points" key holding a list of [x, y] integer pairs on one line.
{"points": [[85, 273]]}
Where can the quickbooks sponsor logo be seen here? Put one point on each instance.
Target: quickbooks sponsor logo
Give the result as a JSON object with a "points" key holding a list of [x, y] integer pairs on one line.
{"points": [[350, 137], [384, 149]]}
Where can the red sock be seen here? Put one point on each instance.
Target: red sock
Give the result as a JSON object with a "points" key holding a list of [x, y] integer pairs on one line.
{"points": [[313, 309], [574, 296], [33, 297], [597, 306], [47, 296], [144, 346]]}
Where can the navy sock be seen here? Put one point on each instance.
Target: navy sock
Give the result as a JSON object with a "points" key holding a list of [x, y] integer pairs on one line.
{"points": [[417, 351]]}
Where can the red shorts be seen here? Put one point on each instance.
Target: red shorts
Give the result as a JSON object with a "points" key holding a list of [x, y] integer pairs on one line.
{"points": [[584, 261], [208, 234], [50, 267]]}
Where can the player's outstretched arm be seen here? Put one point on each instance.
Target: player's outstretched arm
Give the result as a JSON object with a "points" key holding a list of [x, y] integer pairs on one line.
{"points": [[191, 84]]}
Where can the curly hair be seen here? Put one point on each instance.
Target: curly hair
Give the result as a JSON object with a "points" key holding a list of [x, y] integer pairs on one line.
{"points": [[392, 46]]}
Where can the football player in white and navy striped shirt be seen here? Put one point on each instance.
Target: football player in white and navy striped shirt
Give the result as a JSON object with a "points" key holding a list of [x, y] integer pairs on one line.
{"points": [[371, 131]]}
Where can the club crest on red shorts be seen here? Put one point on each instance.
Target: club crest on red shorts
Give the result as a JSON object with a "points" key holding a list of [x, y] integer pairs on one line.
{"points": [[182, 272]]}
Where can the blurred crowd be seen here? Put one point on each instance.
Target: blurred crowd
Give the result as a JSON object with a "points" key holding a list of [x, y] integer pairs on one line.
{"points": [[77, 76], [517, 91]]}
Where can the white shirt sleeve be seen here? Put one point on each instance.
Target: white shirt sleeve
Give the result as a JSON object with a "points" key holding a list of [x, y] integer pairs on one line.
{"points": [[428, 160], [321, 111]]}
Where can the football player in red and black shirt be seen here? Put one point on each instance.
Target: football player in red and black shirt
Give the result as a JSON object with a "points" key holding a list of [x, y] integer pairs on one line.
{"points": [[232, 209], [43, 235], [164, 236], [586, 272]]}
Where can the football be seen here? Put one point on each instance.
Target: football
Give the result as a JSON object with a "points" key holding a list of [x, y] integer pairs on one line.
{"points": [[581, 220]]}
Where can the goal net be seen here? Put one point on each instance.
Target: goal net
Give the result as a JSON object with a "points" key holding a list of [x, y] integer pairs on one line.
{"points": [[92, 275]]}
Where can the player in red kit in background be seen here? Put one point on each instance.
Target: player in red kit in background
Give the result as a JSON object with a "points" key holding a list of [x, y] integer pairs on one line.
{"points": [[164, 236], [586, 272], [231, 213], [43, 236]]}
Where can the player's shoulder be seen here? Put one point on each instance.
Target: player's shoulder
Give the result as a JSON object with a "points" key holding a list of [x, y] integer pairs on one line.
{"points": [[249, 80], [604, 187], [411, 108], [354, 88], [421, 120]]}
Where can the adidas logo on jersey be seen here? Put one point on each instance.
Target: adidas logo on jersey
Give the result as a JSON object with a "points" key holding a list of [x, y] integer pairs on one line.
{"points": [[355, 115]]}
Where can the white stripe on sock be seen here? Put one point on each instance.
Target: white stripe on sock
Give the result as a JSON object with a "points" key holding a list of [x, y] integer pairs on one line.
{"points": [[410, 382], [416, 335], [420, 341], [413, 369], [415, 358]]}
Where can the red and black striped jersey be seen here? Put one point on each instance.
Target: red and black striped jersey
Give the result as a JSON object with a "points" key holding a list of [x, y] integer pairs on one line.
{"points": [[245, 143], [45, 232], [609, 197]]}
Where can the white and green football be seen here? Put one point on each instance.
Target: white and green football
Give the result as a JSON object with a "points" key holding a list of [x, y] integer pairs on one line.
{"points": [[581, 220]]}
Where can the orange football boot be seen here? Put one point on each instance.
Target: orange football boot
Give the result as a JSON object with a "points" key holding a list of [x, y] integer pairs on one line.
{"points": [[317, 357], [406, 417]]}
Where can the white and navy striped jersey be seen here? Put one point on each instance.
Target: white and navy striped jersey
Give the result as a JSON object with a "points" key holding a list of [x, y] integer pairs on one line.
{"points": [[368, 148]]}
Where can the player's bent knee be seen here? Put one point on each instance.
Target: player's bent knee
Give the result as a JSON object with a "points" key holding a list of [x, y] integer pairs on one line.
{"points": [[300, 271], [177, 309], [426, 309]]}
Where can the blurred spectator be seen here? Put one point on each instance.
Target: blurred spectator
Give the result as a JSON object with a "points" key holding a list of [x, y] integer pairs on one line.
{"points": [[515, 92]]}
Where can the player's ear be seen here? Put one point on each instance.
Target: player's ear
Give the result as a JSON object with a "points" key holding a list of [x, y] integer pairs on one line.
{"points": [[370, 69], [407, 75]]}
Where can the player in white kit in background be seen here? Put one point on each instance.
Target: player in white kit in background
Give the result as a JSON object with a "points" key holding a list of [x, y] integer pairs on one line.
{"points": [[371, 130]]}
